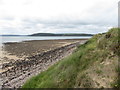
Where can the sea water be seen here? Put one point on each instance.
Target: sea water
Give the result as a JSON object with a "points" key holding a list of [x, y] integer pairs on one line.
{"points": [[4, 39]]}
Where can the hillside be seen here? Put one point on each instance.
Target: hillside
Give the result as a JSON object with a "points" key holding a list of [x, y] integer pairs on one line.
{"points": [[53, 34], [93, 65]]}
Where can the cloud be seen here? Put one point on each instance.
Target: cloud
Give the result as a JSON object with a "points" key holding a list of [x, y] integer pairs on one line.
{"points": [[57, 16]]}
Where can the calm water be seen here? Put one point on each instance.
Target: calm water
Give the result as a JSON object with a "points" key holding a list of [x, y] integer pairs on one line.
{"points": [[4, 39]]}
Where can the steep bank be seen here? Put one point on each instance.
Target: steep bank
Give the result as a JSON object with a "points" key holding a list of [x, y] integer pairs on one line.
{"points": [[93, 65]]}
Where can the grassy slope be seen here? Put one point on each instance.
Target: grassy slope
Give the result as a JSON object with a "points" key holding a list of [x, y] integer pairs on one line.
{"points": [[93, 64]]}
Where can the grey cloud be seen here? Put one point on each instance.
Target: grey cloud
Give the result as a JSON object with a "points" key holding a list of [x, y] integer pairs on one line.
{"points": [[64, 25], [73, 22]]}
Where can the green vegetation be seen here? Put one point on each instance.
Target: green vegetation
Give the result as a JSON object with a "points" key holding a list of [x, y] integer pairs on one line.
{"points": [[78, 69], [98, 71]]}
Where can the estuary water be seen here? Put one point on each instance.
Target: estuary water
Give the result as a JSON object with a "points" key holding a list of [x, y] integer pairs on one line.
{"points": [[4, 39]]}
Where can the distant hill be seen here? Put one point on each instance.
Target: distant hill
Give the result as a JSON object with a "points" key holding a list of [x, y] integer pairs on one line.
{"points": [[52, 34], [66, 34]]}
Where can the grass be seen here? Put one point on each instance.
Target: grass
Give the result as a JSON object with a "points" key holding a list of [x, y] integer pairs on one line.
{"points": [[65, 74], [116, 83], [98, 72]]}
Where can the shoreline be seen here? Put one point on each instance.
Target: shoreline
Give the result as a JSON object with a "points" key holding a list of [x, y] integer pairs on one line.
{"points": [[43, 40], [33, 63], [11, 51], [36, 45]]}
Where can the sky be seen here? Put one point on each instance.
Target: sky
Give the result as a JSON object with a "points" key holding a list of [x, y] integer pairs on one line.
{"points": [[57, 16]]}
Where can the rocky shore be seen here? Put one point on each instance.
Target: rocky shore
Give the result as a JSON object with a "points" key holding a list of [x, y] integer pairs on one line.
{"points": [[15, 72]]}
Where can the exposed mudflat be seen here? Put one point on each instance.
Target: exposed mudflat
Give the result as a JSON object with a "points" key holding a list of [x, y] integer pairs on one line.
{"points": [[29, 48]]}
